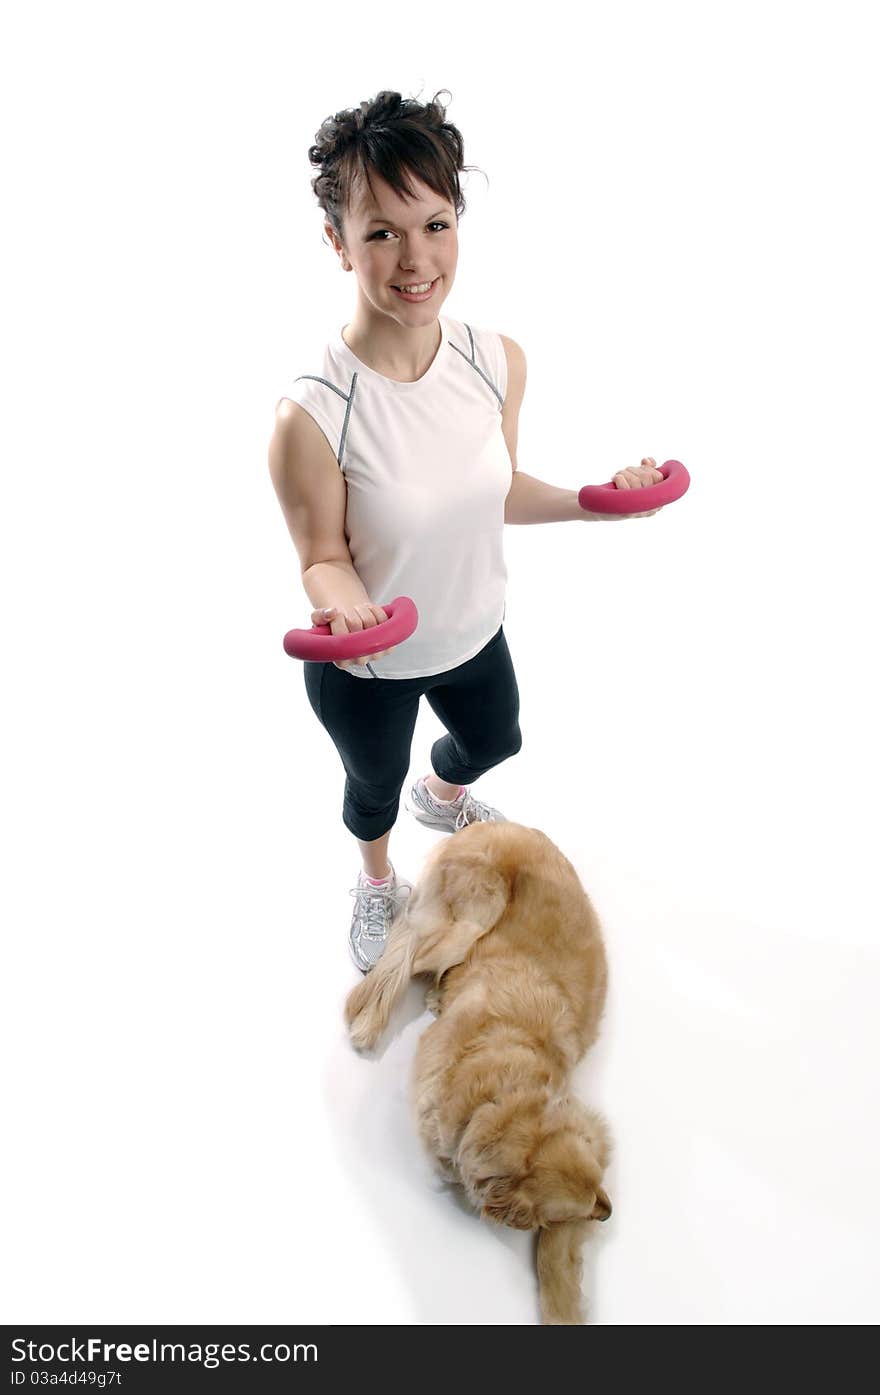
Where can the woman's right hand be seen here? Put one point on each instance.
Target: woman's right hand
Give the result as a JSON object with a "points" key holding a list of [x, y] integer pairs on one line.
{"points": [[360, 617]]}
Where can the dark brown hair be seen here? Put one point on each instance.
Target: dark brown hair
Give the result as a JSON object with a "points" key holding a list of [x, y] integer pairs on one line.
{"points": [[394, 136]]}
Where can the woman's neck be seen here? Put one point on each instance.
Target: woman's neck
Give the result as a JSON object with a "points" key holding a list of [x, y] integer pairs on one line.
{"points": [[406, 354]]}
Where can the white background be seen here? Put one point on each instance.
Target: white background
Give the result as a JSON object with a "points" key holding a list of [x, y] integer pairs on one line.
{"points": [[679, 225]]}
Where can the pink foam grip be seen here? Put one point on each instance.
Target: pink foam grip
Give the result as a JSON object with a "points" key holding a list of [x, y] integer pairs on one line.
{"points": [[321, 645], [607, 498]]}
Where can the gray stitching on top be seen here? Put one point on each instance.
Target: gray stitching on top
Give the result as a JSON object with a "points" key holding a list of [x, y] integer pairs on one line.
{"points": [[354, 378], [349, 399], [316, 379], [475, 365]]}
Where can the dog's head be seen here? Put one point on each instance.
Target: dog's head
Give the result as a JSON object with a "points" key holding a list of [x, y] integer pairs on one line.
{"points": [[534, 1167]]}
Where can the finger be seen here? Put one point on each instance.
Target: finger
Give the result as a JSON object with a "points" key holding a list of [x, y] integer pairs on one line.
{"points": [[371, 615], [323, 617], [366, 616], [621, 480]]}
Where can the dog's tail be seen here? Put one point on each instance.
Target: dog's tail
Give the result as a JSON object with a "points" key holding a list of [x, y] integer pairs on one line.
{"points": [[560, 1265], [369, 1005]]}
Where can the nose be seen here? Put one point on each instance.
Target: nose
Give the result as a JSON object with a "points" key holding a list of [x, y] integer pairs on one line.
{"points": [[410, 257]]}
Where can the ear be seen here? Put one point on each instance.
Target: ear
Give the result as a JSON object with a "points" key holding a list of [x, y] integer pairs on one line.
{"points": [[602, 1209], [507, 1203]]}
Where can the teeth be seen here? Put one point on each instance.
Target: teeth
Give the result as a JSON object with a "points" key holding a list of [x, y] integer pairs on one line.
{"points": [[417, 290]]}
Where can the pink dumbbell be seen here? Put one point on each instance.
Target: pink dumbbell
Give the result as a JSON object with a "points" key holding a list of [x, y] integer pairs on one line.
{"points": [[321, 645], [607, 498]]}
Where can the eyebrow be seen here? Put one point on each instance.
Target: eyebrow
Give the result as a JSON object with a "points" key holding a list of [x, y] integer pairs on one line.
{"points": [[440, 211]]}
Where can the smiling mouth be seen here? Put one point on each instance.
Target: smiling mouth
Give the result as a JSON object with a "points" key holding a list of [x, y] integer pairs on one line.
{"points": [[427, 284]]}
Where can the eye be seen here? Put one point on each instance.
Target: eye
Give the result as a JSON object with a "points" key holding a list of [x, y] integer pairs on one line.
{"points": [[373, 236]]}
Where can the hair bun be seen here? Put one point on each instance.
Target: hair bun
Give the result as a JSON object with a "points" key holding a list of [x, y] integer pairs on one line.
{"points": [[337, 132]]}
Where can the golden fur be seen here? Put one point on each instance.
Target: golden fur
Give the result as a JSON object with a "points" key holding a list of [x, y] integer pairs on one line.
{"points": [[501, 921]]}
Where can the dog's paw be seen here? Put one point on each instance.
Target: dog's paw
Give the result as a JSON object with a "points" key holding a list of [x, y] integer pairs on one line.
{"points": [[361, 1018], [363, 1032], [356, 1001]]}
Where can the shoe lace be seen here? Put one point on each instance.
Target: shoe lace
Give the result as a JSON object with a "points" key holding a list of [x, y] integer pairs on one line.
{"points": [[473, 811], [373, 909]]}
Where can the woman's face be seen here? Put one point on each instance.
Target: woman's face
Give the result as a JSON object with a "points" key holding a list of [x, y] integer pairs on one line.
{"points": [[392, 241]]}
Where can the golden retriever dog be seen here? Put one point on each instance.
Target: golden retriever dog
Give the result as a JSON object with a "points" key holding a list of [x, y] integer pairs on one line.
{"points": [[502, 923]]}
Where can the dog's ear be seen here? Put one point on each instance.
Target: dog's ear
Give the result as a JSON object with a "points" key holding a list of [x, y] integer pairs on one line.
{"points": [[509, 1202]]}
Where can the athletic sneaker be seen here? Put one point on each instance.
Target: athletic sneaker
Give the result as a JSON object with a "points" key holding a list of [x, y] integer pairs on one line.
{"points": [[375, 909], [452, 816]]}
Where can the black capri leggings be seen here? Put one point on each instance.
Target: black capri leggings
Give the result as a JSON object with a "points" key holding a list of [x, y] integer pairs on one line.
{"points": [[371, 722]]}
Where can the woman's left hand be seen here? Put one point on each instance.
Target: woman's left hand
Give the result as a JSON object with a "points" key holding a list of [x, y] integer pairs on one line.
{"points": [[635, 478]]}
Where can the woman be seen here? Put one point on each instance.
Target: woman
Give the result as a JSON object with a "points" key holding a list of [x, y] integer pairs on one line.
{"points": [[394, 461]]}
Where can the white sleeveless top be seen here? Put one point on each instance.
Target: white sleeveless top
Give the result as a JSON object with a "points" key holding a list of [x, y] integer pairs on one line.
{"points": [[427, 470]]}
